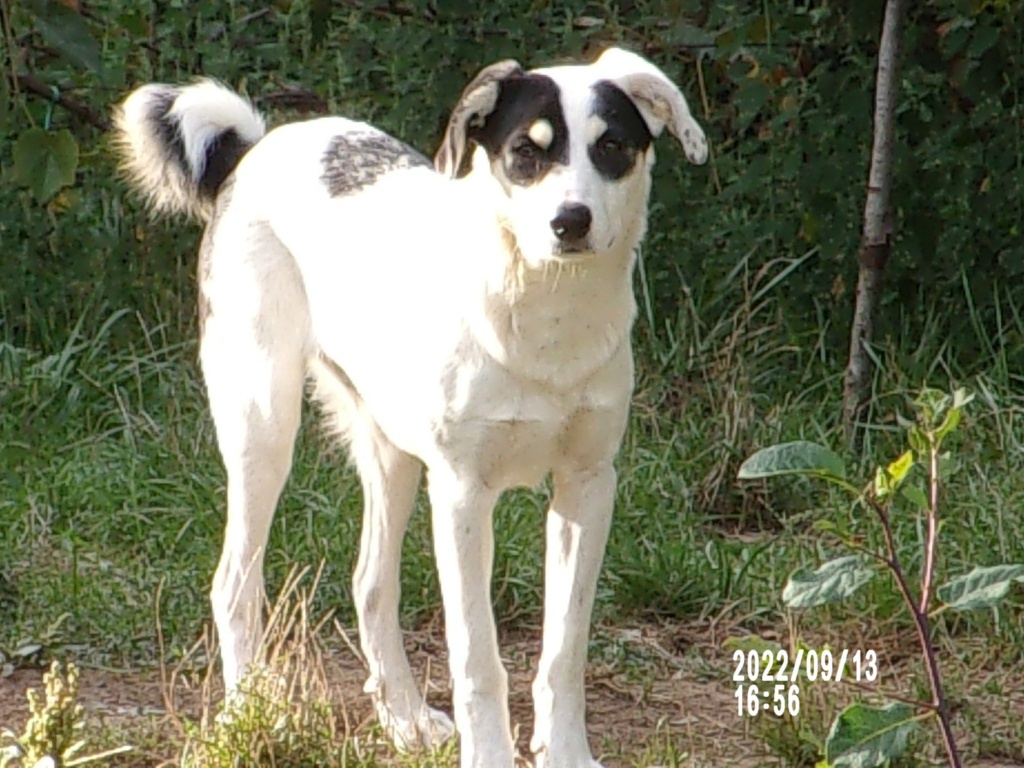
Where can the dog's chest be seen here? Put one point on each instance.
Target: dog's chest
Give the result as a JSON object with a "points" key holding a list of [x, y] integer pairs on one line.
{"points": [[515, 453], [508, 432], [504, 452]]}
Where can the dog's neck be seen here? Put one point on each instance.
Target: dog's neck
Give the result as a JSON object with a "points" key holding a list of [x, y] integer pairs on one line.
{"points": [[559, 323]]}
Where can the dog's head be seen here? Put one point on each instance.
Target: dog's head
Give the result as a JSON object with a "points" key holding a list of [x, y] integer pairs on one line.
{"points": [[571, 148]]}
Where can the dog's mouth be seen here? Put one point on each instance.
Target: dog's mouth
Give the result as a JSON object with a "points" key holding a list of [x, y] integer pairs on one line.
{"points": [[572, 251], [584, 247]]}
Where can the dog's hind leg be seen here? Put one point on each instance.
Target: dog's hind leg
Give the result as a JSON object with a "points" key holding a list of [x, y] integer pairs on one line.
{"points": [[390, 478], [255, 329]]}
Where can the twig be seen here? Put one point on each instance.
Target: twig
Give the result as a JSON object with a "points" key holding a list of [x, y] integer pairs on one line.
{"points": [[916, 703], [867, 552], [34, 85], [8, 35], [933, 528], [924, 635]]}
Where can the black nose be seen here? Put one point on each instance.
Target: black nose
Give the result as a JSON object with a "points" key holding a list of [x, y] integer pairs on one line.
{"points": [[572, 222]]}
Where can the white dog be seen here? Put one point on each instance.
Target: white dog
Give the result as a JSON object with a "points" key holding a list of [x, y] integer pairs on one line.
{"points": [[472, 316]]}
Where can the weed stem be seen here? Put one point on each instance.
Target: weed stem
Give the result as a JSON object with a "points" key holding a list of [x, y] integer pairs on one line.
{"points": [[933, 528], [915, 703], [924, 632]]}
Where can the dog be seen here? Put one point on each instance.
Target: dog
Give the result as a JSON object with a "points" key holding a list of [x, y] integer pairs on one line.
{"points": [[470, 316]]}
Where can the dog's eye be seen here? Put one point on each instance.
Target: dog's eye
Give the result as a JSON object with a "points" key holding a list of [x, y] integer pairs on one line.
{"points": [[610, 146], [526, 150], [526, 161]]}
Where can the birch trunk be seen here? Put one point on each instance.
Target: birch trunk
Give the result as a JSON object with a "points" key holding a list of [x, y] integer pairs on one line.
{"points": [[876, 237]]}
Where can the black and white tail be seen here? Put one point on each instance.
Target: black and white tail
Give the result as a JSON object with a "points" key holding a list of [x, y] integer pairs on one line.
{"points": [[179, 143]]}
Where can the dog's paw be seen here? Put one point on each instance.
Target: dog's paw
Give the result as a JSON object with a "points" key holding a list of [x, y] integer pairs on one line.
{"points": [[413, 726], [562, 752], [544, 759], [428, 731]]}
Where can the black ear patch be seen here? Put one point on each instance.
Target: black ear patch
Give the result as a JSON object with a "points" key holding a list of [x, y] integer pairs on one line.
{"points": [[354, 161], [614, 153], [222, 156], [505, 134]]}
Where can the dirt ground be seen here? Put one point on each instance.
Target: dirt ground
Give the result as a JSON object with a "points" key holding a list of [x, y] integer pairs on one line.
{"points": [[667, 681]]}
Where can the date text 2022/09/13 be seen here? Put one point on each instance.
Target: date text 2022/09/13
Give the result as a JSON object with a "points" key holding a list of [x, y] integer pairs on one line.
{"points": [[767, 682]]}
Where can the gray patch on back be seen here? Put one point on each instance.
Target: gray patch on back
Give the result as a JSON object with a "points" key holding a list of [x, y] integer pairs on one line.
{"points": [[354, 161]]}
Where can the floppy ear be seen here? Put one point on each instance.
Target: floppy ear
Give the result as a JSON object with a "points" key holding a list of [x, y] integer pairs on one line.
{"points": [[659, 100], [477, 102]]}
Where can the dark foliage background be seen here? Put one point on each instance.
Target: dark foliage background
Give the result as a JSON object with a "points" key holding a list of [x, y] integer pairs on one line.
{"points": [[784, 88]]}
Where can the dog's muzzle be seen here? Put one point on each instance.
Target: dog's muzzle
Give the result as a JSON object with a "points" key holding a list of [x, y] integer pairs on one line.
{"points": [[571, 226]]}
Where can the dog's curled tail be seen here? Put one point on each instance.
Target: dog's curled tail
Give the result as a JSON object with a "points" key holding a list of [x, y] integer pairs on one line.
{"points": [[178, 144]]}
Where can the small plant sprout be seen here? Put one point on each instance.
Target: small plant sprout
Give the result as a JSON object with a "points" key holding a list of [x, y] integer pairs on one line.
{"points": [[862, 736], [51, 735], [283, 714]]}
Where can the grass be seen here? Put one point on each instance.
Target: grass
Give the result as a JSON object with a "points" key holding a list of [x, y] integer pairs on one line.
{"points": [[287, 713], [115, 498]]}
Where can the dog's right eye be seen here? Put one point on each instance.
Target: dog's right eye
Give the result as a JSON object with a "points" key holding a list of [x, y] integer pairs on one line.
{"points": [[525, 162], [526, 150]]}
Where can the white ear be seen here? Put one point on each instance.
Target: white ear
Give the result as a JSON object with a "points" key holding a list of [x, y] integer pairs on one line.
{"points": [[659, 100], [477, 102]]}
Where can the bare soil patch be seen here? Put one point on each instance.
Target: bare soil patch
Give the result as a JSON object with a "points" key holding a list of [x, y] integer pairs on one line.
{"points": [[669, 682]]}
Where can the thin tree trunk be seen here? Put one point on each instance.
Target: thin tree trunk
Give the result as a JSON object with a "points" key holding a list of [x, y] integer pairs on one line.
{"points": [[877, 233]]}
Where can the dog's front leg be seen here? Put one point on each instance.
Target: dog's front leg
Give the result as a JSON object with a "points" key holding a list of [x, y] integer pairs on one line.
{"points": [[462, 516], [577, 531]]}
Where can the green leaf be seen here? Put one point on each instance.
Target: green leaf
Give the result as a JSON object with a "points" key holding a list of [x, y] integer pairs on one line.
{"points": [[865, 737], [915, 496], [27, 649], [827, 526], [951, 422], [933, 404], [898, 470], [981, 588], [917, 441], [45, 161], [752, 93], [962, 397], [797, 458], [949, 465], [904, 423], [985, 36], [887, 480], [68, 32], [831, 582], [882, 486]]}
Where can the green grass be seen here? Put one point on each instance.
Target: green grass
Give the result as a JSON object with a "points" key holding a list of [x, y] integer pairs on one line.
{"points": [[115, 496], [115, 484]]}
